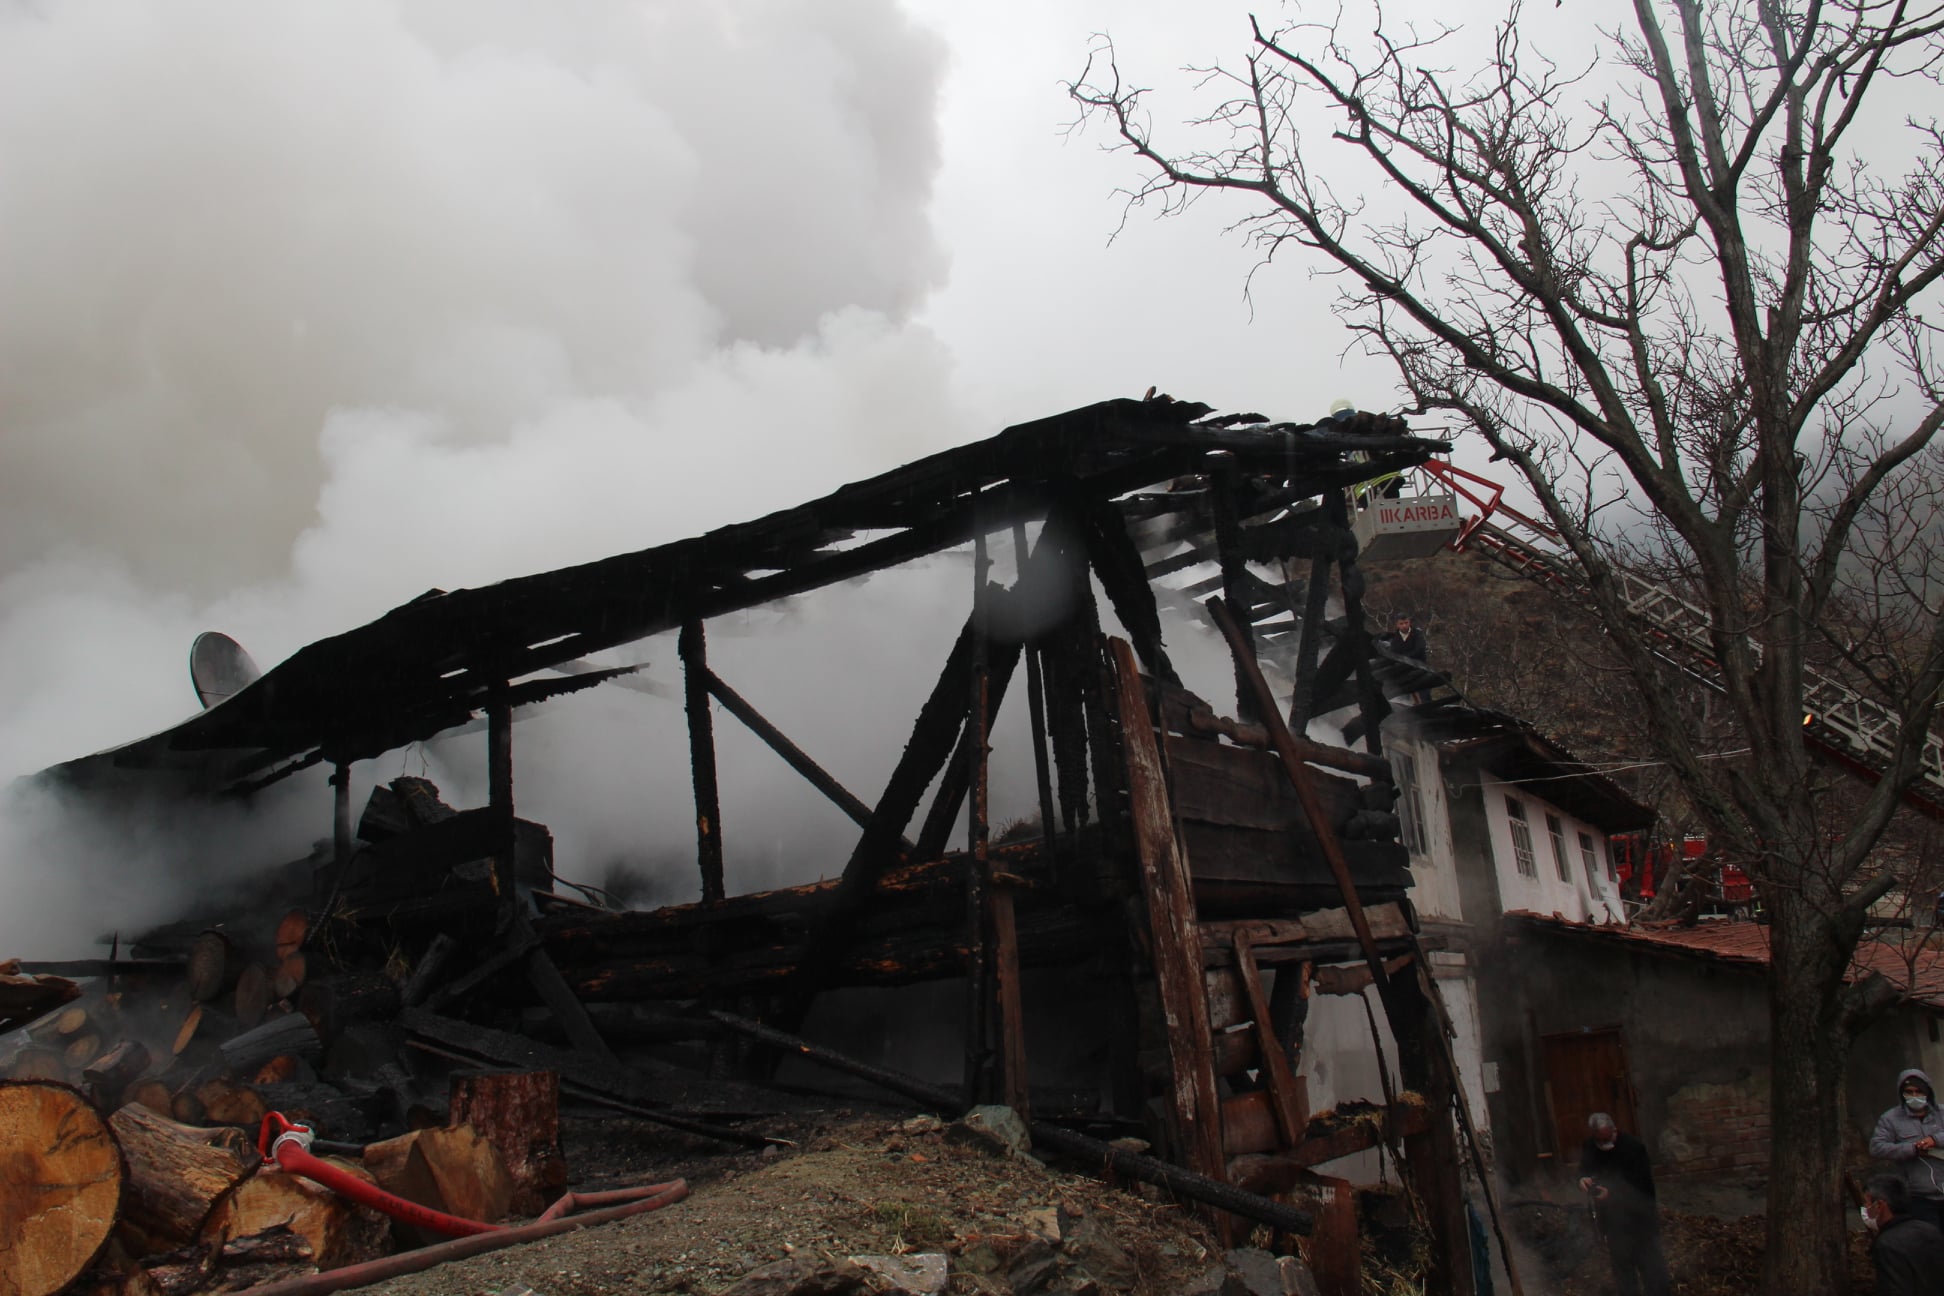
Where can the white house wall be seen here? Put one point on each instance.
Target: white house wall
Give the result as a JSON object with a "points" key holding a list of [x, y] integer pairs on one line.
{"points": [[1574, 898], [1434, 869]]}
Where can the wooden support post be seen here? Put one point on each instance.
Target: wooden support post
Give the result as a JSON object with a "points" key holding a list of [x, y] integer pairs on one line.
{"points": [[1223, 482], [1176, 938], [1035, 702], [1371, 703], [341, 816], [499, 785], [978, 915], [702, 759], [1315, 599], [1001, 661]]}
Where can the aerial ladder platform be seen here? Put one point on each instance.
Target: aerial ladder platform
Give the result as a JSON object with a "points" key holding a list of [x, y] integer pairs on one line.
{"points": [[1842, 723]]}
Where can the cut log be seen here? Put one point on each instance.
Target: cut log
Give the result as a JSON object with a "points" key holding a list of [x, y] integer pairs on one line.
{"points": [[152, 1094], [176, 1175], [339, 1233], [108, 1075], [281, 1069], [71, 1021], [24, 998], [185, 1107], [60, 1186], [518, 1112], [191, 1023], [36, 1063], [81, 1050], [291, 930], [252, 997], [226, 1103], [452, 1170], [289, 976], [117, 1273], [334, 1003], [290, 1034], [213, 966], [262, 1258]]}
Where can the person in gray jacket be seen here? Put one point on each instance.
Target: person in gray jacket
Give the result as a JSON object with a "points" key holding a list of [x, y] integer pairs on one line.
{"points": [[1908, 1136]]}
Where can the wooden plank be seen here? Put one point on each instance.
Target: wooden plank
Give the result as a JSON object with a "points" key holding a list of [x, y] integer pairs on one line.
{"points": [[1247, 788], [1386, 921], [1176, 941]]}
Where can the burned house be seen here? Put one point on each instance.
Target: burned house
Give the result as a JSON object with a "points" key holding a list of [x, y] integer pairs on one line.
{"points": [[1200, 871]]}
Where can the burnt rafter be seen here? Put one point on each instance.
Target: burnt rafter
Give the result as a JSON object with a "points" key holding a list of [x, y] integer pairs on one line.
{"points": [[429, 664]]}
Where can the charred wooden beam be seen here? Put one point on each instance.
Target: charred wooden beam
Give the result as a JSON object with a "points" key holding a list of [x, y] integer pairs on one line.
{"points": [[693, 648], [1225, 481], [795, 757], [1001, 662], [1117, 562], [928, 748], [978, 917]]}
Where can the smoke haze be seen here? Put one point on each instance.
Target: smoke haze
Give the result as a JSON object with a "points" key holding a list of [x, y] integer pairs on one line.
{"points": [[314, 306]]}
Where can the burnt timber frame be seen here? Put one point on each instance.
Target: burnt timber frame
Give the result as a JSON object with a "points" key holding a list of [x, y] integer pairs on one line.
{"points": [[1165, 837]]}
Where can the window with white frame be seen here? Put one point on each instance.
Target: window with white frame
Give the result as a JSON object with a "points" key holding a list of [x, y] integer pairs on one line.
{"points": [[1410, 803], [1589, 858], [1557, 831], [1521, 838]]}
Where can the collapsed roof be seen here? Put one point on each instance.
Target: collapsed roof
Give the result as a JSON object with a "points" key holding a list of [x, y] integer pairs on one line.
{"points": [[433, 663]]}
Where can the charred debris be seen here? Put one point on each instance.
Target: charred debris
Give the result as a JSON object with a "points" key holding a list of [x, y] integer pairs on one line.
{"points": [[1198, 871]]}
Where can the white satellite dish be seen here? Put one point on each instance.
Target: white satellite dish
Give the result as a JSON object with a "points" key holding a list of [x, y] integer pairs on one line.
{"points": [[219, 667]]}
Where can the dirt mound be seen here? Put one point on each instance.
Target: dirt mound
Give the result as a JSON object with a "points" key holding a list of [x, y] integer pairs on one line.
{"points": [[858, 1186]]}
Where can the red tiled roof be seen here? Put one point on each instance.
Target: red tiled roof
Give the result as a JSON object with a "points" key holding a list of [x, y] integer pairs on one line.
{"points": [[1914, 965]]}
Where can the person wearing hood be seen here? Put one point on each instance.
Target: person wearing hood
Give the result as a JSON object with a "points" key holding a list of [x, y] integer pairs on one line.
{"points": [[1908, 1137]]}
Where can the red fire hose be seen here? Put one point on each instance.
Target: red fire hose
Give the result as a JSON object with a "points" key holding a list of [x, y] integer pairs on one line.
{"points": [[289, 1150]]}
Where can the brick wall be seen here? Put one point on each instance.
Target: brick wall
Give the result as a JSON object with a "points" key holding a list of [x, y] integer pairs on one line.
{"points": [[1716, 1131]]}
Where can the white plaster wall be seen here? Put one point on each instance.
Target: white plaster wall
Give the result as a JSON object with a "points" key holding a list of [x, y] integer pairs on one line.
{"points": [[1340, 1064], [1575, 898], [1434, 871]]}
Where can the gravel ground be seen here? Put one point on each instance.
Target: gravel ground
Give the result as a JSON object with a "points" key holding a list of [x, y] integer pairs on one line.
{"points": [[854, 1185]]}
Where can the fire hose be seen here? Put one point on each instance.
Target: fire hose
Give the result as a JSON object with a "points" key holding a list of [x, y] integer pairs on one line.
{"points": [[286, 1144]]}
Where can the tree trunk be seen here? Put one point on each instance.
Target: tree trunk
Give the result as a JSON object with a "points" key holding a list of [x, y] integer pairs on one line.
{"points": [[60, 1186], [1810, 1048]]}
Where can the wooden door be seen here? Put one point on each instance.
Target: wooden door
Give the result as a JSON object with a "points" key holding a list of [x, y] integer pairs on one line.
{"points": [[1586, 1072]]}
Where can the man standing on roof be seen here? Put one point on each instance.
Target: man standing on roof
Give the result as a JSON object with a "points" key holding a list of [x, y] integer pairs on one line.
{"points": [[1615, 1171], [1907, 1136], [1403, 640]]}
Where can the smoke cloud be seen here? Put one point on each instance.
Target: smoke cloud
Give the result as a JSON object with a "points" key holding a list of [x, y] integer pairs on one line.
{"points": [[314, 306]]}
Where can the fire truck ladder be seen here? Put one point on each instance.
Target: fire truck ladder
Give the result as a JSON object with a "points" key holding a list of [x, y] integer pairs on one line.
{"points": [[1847, 727]]}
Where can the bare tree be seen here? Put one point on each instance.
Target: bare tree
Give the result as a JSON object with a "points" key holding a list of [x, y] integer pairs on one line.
{"points": [[1681, 292]]}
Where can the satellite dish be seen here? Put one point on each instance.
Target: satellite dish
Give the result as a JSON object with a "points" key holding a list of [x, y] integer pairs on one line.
{"points": [[219, 667]]}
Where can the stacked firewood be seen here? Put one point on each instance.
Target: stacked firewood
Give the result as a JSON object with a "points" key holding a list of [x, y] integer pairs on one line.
{"points": [[130, 1109]]}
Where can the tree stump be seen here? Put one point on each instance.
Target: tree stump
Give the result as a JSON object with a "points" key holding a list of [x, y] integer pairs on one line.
{"points": [[518, 1112], [176, 1176], [61, 1180]]}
